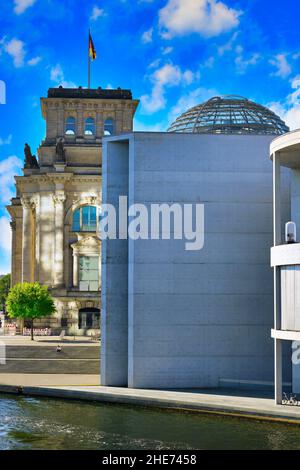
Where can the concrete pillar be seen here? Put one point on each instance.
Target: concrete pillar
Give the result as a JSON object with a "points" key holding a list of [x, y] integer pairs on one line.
{"points": [[59, 199], [278, 371], [277, 274], [277, 199], [26, 240]]}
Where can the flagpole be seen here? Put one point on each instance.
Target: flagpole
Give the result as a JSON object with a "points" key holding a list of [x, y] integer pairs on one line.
{"points": [[89, 63]]}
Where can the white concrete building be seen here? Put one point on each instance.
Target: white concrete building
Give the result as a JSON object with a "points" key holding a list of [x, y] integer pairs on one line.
{"points": [[285, 259], [180, 319]]}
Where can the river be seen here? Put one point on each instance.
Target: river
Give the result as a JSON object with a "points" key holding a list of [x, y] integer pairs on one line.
{"points": [[28, 423]]}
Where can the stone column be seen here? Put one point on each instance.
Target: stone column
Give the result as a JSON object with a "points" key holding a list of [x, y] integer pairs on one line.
{"points": [[99, 125], [26, 240], [80, 121], [59, 199], [36, 200], [13, 251], [60, 121], [75, 269]]}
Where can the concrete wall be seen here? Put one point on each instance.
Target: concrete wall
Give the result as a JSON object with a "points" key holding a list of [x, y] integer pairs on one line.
{"points": [[114, 316], [290, 274], [198, 318]]}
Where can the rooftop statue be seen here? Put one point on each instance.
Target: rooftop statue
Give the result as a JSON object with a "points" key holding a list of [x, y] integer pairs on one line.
{"points": [[60, 151], [30, 160]]}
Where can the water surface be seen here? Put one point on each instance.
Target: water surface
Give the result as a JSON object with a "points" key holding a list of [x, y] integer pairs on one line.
{"points": [[27, 423]]}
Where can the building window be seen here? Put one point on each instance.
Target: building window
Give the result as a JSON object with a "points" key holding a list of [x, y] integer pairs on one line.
{"points": [[109, 127], [70, 126], [89, 128], [85, 219], [89, 273], [89, 318], [64, 322]]}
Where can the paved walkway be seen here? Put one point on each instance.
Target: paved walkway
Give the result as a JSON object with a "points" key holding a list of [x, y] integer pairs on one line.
{"points": [[234, 405], [52, 380], [40, 341]]}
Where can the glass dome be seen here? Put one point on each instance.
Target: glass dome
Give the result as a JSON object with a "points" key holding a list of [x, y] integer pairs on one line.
{"points": [[229, 115]]}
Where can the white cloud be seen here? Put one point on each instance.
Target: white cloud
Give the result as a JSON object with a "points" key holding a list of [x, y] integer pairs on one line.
{"points": [[154, 64], [227, 47], [16, 49], [5, 236], [209, 63], [6, 141], [57, 75], [147, 36], [289, 109], [206, 17], [168, 75], [281, 64], [193, 98], [9, 167], [242, 63], [96, 13], [166, 50], [22, 5], [34, 61]]}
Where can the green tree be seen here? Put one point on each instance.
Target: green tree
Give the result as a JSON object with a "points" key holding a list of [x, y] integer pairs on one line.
{"points": [[29, 301], [4, 290]]}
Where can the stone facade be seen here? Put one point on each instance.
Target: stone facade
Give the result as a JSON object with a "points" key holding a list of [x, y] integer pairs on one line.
{"points": [[48, 244]]}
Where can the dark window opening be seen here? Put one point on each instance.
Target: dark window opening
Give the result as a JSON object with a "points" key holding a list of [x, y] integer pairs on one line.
{"points": [[89, 318]]}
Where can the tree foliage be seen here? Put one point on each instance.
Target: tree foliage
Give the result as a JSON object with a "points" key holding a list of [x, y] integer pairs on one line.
{"points": [[29, 301], [4, 290]]}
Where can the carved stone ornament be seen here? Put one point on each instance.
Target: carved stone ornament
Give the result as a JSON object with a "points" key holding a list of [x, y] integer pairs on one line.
{"points": [[59, 197]]}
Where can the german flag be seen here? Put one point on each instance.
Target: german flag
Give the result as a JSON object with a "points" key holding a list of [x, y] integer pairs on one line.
{"points": [[92, 50]]}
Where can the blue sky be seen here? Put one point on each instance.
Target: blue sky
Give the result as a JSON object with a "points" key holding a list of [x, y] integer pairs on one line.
{"points": [[172, 54]]}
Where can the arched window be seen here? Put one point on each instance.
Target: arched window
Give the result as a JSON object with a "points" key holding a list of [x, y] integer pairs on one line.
{"points": [[70, 126], [85, 219], [89, 128], [109, 127]]}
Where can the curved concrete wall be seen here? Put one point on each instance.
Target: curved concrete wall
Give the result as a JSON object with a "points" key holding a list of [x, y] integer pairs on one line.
{"points": [[198, 318]]}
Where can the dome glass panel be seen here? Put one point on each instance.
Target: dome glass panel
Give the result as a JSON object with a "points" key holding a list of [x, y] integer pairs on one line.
{"points": [[229, 115]]}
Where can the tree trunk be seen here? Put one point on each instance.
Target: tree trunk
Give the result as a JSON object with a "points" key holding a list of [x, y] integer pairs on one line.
{"points": [[32, 330]]}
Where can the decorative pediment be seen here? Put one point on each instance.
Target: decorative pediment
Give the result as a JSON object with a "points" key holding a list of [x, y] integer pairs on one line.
{"points": [[88, 244]]}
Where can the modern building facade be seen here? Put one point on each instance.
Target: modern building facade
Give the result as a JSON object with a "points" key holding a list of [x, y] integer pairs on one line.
{"points": [[174, 318], [285, 259], [55, 214]]}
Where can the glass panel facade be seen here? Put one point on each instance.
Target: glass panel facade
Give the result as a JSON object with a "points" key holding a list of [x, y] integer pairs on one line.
{"points": [[89, 273]]}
